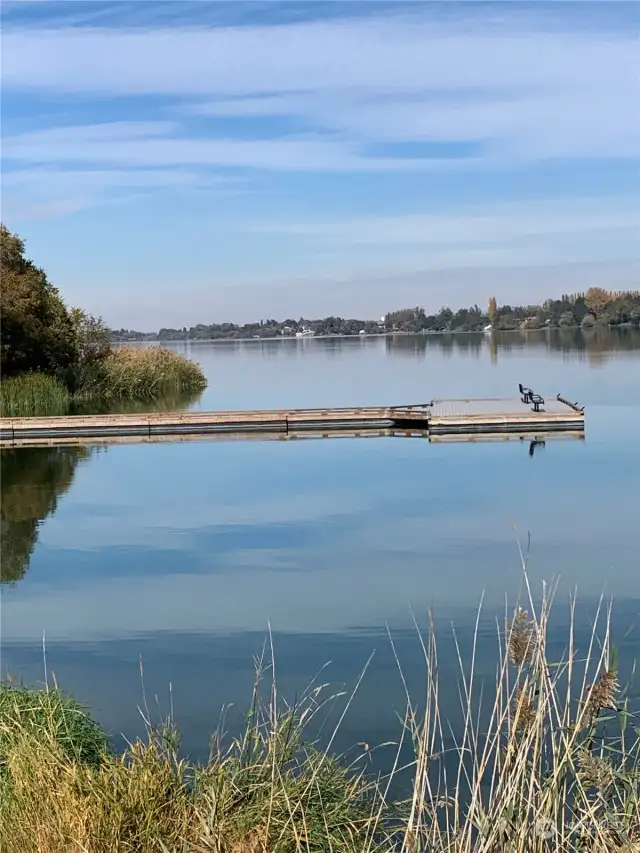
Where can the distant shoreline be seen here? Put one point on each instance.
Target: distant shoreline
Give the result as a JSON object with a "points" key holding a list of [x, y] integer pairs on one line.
{"points": [[595, 307], [427, 334], [256, 340]]}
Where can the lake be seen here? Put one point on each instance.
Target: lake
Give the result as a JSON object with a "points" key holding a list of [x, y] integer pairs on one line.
{"points": [[184, 555]]}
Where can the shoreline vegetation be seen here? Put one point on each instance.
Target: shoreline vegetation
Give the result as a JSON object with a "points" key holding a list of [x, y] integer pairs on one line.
{"points": [[546, 761], [56, 360], [595, 307]]}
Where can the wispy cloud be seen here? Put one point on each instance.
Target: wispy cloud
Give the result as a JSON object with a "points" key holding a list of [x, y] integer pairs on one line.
{"points": [[40, 192], [388, 78], [385, 135], [152, 146], [502, 223]]}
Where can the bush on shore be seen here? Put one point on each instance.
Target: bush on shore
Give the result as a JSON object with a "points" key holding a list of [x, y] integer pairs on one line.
{"points": [[553, 767]]}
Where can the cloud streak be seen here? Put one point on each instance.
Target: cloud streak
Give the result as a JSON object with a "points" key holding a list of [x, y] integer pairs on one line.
{"points": [[522, 94], [107, 143], [501, 222], [367, 140]]}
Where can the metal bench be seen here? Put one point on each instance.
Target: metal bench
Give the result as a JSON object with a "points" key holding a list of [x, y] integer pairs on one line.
{"points": [[528, 396], [526, 393]]}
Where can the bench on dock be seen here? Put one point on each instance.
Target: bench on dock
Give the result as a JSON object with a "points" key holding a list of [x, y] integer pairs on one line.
{"points": [[528, 396]]}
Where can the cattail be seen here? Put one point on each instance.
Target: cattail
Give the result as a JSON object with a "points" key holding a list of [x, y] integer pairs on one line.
{"points": [[521, 641]]}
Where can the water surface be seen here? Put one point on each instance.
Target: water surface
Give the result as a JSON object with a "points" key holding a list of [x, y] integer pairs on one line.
{"points": [[184, 554]]}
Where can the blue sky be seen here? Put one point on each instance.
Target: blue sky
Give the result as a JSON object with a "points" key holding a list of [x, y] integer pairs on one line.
{"points": [[180, 162]]}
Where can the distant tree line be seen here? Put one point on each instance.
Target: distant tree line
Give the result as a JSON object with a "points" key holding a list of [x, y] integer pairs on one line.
{"points": [[596, 306]]}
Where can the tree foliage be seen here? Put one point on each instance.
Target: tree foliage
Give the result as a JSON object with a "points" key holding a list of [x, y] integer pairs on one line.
{"points": [[92, 341], [597, 299], [39, 333], [493, 308]]}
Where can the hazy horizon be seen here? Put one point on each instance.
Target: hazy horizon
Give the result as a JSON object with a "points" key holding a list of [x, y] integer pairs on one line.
{"points": [[576, 279]]}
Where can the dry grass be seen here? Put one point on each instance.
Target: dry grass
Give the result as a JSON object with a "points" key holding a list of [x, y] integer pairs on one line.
{"points": [[265, 791], [141, 373], [549, 764], [554, 765]]}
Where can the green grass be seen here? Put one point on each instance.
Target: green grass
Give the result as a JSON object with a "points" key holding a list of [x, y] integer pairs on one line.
{"points": [[265, 790], [65, 722], [32, 394], [128, 379], [546, 761]]}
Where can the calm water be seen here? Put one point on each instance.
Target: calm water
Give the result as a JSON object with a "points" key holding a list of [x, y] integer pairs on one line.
{"points": [[183, 554]]}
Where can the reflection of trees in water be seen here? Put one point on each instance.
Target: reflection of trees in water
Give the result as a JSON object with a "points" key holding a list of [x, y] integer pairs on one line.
{"points": [[581, 344], [407, 345], [33, 479], [468, 343]]}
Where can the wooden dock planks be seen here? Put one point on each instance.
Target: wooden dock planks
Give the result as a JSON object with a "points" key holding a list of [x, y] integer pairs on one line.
{"points": [[501, 415], [438, 417]]}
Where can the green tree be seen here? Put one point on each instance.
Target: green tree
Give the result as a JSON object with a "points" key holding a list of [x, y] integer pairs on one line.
{"points": [[92, 337], [92, 344], [37, 331], [493, 309]]}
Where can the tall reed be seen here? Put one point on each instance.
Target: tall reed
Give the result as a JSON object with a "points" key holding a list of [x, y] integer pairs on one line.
{"points": [[138, 373], [31, 394], [550, 764]]}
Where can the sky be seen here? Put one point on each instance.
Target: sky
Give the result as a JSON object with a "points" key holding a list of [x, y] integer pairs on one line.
{"points": [[170, 163]]}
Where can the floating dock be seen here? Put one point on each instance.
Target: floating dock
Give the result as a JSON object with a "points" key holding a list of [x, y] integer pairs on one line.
{"points": [[438, 418]]}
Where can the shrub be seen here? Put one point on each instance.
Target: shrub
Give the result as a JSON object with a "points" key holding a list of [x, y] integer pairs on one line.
{"points": [[49, 718]]}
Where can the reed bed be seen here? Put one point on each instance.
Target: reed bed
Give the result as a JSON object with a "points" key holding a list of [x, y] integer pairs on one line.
{"points": [[31, 394], [545, 762], [138, 373], [128, 378]]}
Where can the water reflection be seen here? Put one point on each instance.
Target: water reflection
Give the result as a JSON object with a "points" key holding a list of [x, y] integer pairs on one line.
{"points": [[593, 344], [33, 480], [185, 552], [177, 402], [584, 343]]}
